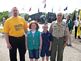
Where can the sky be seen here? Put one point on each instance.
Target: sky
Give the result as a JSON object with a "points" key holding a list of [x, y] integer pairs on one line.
{"points": [[24, 5]]}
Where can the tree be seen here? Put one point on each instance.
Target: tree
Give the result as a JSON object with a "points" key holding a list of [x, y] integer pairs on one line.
{"points": [[3, 14], [26, 17]]}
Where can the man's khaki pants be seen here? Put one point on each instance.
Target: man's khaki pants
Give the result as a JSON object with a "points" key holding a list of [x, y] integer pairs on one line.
{"points": [[57, 49]]}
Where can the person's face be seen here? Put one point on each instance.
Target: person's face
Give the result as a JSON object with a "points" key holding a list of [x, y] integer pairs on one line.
{"points": [[59, 17], [15, 11], [45, 28], [33, 26]]}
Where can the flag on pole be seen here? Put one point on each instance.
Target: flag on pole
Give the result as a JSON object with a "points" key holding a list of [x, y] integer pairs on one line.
{"points": [[65, 8], [52, 10], [29, 9], [38, 10], [45, 5]]}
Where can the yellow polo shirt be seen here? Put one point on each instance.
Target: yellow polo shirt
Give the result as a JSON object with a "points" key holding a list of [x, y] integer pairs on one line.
{"points": [[15, 26]]}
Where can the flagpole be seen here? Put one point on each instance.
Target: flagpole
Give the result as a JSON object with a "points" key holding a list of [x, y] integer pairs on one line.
{"points": [[45, 12], [52, 10], [23, 12], [44, 2]]}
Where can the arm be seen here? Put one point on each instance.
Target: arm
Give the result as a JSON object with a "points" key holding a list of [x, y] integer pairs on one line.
{"points": [[7, 41], [26, 30], [51, 38], [26, 41], [6, 33], [25, 25], [50, 46], [40, 42], [67, 36], [50, 29]]}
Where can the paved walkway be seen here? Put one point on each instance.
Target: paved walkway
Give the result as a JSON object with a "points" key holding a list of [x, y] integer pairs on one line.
{"points": [[70, 53]]}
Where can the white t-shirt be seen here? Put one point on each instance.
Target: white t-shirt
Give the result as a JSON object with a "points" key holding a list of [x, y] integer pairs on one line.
{"points": [[76, 22], [33, 32]]}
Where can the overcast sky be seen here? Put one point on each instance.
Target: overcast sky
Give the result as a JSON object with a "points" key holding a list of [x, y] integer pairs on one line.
{"points": [[24, 5]]}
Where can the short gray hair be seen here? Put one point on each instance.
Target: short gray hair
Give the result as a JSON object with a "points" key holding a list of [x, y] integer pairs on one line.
{"points": [[60, 13]]}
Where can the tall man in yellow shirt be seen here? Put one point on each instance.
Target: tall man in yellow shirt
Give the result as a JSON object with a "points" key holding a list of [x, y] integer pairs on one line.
{"points": [[14, 30]]}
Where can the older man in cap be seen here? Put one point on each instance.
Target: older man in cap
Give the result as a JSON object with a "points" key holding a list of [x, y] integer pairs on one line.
{"points": [[59, 32]]}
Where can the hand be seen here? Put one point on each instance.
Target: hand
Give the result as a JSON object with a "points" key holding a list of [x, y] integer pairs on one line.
{"points": [[26, 47], [49, 48], [9, 46], [40, 48], [64, 45]]}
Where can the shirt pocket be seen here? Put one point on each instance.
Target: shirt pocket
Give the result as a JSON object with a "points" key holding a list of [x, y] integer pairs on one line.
{"points": [[55, 29]]}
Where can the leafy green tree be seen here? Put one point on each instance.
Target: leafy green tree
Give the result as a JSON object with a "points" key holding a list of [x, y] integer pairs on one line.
{"points": [[26, 16], [3, 14]]}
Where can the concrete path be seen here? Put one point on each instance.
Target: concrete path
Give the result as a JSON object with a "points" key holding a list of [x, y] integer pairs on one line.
{"points": [[70, 53]]}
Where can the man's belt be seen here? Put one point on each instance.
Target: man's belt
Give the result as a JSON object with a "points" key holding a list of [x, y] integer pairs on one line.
{"points": [[64, 38], [59, 37]]}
